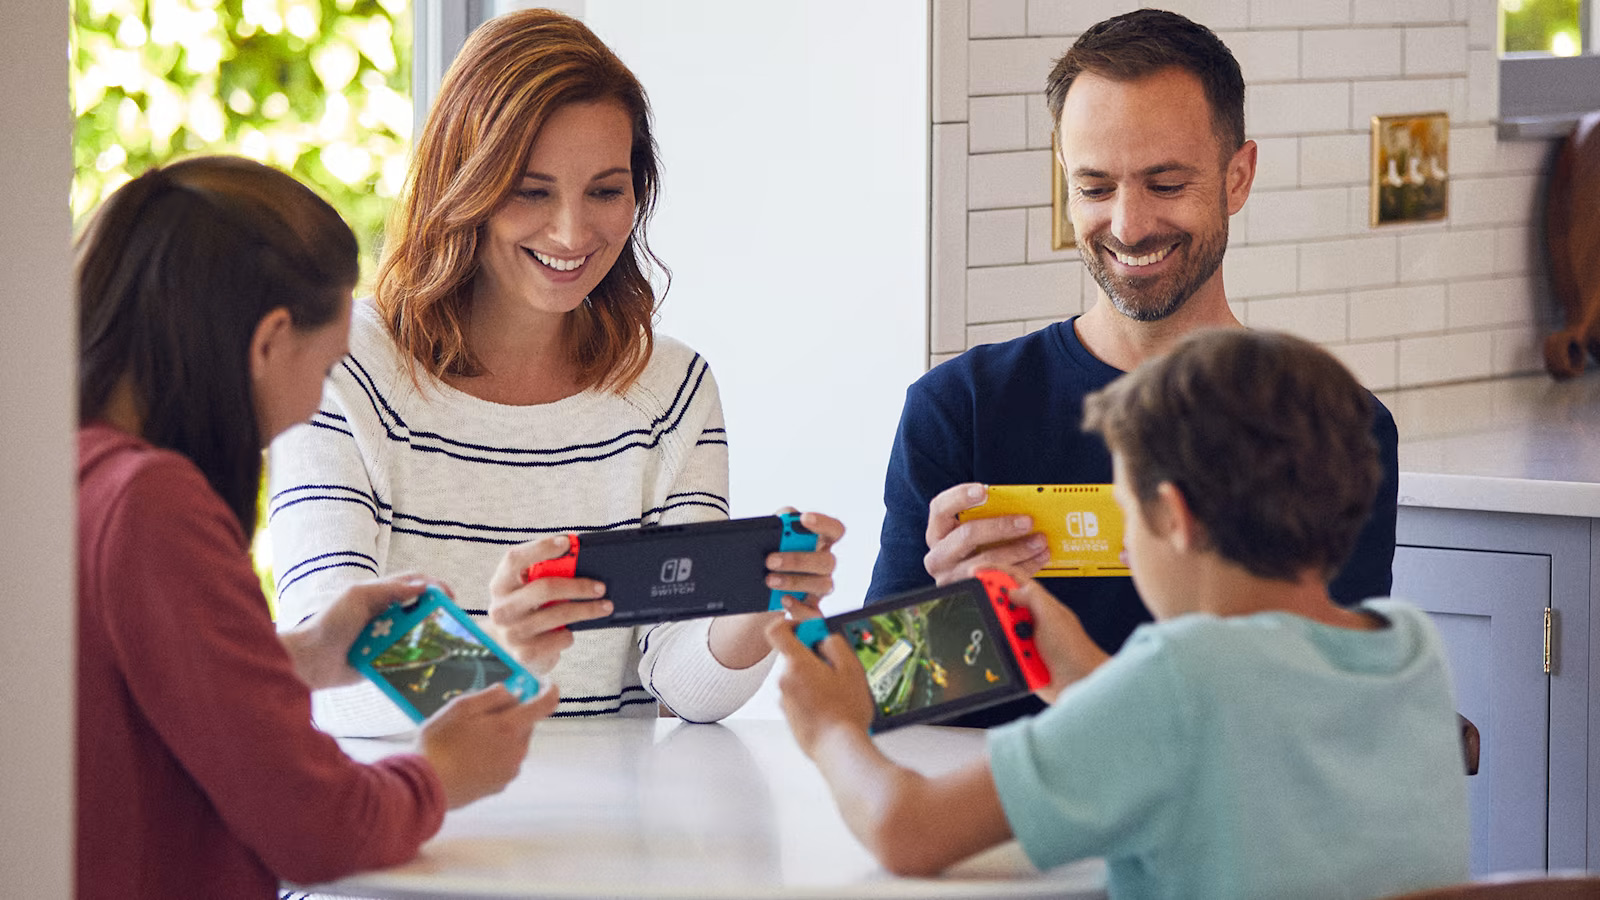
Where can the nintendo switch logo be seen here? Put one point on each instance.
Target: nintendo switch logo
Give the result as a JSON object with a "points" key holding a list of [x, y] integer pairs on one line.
{"points": [[675, 570], [1083, 524]]}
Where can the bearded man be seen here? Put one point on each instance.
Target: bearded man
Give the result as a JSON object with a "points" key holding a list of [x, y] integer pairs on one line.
{"points": [[1149, 113]]}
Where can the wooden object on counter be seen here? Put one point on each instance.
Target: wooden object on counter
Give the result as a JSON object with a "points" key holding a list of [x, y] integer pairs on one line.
{"points": [[1572, 238]]}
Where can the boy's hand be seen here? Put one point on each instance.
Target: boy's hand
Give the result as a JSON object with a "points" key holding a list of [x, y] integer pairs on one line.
{"points": [[1066, 648], [530, 618], [820, 693], [998, 542]]}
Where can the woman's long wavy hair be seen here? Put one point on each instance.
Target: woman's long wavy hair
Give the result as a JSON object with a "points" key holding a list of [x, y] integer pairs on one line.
{"points": [[174, 272], [513, 73]]}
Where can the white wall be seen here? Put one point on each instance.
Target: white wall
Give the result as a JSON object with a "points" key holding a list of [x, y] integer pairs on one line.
{"points": [[794, 145], [36, 456]]}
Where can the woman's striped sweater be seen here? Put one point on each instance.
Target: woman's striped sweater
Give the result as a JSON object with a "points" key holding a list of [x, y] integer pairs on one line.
{"points": [[388, 477]]}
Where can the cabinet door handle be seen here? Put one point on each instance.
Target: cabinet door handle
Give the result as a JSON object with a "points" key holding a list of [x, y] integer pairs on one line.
{"points": [[1548, 614]]}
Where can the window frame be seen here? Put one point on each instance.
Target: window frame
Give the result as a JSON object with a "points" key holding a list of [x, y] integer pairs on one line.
{"points": [[1543, 96]]}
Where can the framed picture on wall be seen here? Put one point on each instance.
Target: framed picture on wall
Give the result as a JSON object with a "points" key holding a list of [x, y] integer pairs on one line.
{"points": [[1410, 168], [1061, 237]]}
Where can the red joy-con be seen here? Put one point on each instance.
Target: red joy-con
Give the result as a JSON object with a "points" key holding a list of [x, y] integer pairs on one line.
{"points": [[1017, 624], [563, 566]]}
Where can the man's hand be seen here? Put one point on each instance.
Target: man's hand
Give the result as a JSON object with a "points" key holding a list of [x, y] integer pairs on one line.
{"points": [[320, 645], [531, 618], [1000, 542]]}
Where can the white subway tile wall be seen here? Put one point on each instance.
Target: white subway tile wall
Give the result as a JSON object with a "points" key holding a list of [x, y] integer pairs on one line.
{"points": [[1436, 51], [998, 18], [997, 237], [1353, 53], [1401, 305], [947, 314], [997, 123]]}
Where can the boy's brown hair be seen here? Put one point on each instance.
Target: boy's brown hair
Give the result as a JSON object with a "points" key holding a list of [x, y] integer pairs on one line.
{"points": [[1267, 437]]}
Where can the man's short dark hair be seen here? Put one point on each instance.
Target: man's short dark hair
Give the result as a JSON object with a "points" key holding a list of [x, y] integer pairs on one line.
{"points": [[1267, 437], [1143, 42]]}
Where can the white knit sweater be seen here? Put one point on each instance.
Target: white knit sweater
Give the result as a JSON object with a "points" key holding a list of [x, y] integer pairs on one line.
{"points": [[389, 478]]}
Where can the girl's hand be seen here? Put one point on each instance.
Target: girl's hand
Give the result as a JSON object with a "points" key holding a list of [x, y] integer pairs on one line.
{"points": [[320, 645]]}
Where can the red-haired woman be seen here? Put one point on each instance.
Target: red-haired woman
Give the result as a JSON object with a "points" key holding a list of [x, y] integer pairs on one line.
{"points": [[506, 387]]}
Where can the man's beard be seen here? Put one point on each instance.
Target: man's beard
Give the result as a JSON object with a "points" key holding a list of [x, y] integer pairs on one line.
{"points": [[1151, 298]]}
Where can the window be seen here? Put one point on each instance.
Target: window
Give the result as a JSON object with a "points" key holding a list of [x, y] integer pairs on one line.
{"points": [[1549, 68], [1543, 27], [319, 88]]}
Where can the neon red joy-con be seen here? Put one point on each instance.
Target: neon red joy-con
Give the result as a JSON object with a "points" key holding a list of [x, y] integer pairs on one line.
{"points": [[1017, 624], [563, 566]]}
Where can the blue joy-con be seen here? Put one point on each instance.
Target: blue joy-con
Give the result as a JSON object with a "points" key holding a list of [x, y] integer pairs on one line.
{"points": [[796, 539], [811, 632]]}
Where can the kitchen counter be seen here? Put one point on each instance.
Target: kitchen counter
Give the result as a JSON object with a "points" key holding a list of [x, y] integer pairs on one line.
{"points": [[1520, 445]]}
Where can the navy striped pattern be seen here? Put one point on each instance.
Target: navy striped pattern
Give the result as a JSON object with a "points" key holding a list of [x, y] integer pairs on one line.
{"points": [[393, 476], [395, 428]]}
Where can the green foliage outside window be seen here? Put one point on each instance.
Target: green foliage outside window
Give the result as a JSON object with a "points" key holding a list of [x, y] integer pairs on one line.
{"points": [[1541, 26], [318, 88]]}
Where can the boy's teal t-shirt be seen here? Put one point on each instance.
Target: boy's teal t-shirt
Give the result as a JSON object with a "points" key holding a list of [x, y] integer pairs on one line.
{"points": [[1259, 756]]}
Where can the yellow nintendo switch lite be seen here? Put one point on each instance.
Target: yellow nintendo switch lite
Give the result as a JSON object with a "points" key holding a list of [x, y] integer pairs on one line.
{"points": [[1081, 521]]}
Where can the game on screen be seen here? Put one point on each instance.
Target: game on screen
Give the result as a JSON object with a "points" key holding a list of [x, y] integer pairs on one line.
{"points": [[926, 654], [436, 660]]}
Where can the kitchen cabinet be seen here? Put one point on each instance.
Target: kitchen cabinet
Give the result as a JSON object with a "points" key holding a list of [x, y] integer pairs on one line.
{"points": [[1487, 579], [1499, 506]]}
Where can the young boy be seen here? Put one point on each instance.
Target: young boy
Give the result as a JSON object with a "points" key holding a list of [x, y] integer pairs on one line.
{"points": [[1256, 740]]}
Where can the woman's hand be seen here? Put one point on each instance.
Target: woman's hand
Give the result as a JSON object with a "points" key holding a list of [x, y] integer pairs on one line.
{"points": [[810, 572], [739, 642], [530, 618], [320, 645]]}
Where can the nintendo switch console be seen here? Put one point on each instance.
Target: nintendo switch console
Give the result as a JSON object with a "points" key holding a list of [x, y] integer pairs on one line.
{"points": [[1081, 521], [424, 652], [660, 573], [938, 652]]}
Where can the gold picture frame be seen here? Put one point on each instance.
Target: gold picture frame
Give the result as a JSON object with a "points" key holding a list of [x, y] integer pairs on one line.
{"points": [[1061, 236], [1410, 168]]}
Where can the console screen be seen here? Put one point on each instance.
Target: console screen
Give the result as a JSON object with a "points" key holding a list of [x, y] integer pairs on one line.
{"points": [[436, 660], [927, 654]]}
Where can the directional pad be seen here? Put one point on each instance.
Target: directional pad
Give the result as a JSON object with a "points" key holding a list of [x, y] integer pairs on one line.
{"points": [[382, 627]]}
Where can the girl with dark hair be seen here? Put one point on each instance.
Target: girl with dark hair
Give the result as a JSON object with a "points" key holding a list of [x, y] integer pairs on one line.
{"points": [[214, 295], [505, 387]]}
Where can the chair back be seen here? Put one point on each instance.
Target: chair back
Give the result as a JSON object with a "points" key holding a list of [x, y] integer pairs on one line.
{"points": [[1517, 886]]}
